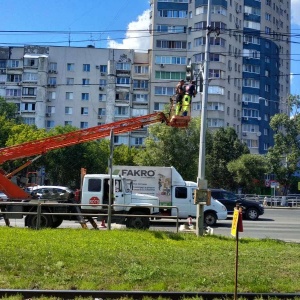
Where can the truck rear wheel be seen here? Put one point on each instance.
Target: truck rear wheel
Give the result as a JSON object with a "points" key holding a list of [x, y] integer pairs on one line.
{"points": [[138, 222], [57, 223], [210, 218], [46, 221]]}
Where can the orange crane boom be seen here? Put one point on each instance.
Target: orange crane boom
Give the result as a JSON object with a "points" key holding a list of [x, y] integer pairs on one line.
{"points": [[42, 146]]}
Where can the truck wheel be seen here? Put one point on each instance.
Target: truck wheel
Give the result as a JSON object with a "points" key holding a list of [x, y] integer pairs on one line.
{"points": [[46, 221], [138, 222], [57, 223], [210, 218]]}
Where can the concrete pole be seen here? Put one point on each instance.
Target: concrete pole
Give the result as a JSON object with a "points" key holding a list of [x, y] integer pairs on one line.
{"points": [[202, 183]]}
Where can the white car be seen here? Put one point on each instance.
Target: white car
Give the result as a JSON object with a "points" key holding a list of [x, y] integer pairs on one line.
{"points": [[51, 191]]}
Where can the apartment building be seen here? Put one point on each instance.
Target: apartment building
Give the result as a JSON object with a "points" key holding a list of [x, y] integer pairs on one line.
{"points": [[82, 87], [249, 60]]}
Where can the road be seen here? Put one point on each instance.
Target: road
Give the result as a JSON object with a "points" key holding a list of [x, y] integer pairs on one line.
{"points": [[276, 223]]}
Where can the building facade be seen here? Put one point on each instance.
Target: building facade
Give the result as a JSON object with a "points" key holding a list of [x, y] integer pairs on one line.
{"points": [[82, 87], [248, 80], [249, 60]]}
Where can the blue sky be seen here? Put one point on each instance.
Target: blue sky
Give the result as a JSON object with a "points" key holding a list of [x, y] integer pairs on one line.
{"points": [[117, 23]]}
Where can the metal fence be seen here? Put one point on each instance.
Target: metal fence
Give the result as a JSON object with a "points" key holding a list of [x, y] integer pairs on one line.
{"points": [[291, 200], [16, 211]]}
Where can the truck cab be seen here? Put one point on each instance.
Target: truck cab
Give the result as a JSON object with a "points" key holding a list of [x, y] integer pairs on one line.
{"points": [[95, 197], [183, 198]]}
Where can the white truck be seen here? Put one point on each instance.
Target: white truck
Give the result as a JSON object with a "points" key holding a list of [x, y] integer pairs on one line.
{"points": [[93, 199], [168, 185]]}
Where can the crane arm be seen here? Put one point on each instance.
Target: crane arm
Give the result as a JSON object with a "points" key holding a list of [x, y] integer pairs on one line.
{"points": [[42, 146]]}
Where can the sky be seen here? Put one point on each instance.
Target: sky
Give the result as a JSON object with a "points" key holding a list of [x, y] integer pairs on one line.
{"points": [[115, 24]]}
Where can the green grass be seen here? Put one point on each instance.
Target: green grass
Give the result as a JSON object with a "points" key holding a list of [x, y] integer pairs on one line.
{"points": [[144, 261]]}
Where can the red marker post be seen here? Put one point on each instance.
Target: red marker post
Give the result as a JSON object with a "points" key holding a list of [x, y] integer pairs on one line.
{"points": [[236, 227]]}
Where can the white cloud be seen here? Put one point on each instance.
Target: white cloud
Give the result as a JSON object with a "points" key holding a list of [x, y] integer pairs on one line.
{"points": [[137, 35], [295, 11]]}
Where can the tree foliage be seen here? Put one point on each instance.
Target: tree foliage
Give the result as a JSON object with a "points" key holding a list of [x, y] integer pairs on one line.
{"points": [[248, 172], [168, 146], [283, 157], [222, 149]]}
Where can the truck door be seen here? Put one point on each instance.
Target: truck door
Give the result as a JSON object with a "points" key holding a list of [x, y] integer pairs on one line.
{"points": [[181, 199]]}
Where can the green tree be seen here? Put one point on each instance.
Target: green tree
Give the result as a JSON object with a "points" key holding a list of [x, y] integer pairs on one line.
{"points": [[168, 146], [9, 110], [283, 157], [124, 155], [223, 147], [248, 171]]}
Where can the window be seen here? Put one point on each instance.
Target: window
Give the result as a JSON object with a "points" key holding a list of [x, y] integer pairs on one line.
{"points": [[101, 111], [70, 81], [123, 80], [164, 91], [159, 106], [140, 84], [30, 62], [122, 96], [121, 111], [165, 44], [218, 90], [168, 60], [103, 68], [140, 97], [53, 67], [84, 110], [27, 107], [69, 96], [50, 124], [169, 75], [51, 95], [29, 121], [85, 81], [70, 67], [52, 81], [171, 28], [13, 63], [68, 123], [141, 69], [123, 66], [84, 125], [102, 82], [164, 13], [14, 77], [68, 110], [50, 109], [102, 97], [85, 96], [29, 91], [138, 141], [29, 76], [13, 92], [86, 68], [136, 112]]}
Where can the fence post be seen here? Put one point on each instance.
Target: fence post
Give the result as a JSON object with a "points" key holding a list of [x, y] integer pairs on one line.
{"points": [[38, 216]]}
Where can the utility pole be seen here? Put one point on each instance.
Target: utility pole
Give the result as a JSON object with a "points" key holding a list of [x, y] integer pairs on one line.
{"points": [[202, 183]]}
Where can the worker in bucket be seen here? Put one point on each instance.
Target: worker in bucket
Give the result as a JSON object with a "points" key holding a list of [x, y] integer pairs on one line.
{"points": [[190, 91], [179, 95]]}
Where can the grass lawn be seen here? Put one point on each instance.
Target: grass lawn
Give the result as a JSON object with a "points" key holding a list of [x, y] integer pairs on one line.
{"points": [[144, 261]]}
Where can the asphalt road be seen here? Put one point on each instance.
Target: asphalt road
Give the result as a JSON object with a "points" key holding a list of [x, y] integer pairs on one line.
{"points": [[276, 223]]}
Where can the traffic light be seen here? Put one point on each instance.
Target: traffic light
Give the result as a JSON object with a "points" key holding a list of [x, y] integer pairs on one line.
{"points": [[189, 73], [201, 82]]}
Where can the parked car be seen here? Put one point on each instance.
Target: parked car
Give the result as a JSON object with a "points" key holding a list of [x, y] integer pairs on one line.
{"points": [[251, 209], [51, 192]]}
